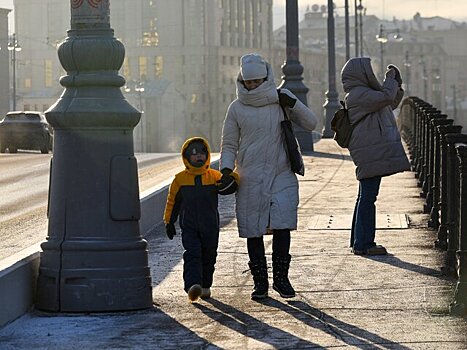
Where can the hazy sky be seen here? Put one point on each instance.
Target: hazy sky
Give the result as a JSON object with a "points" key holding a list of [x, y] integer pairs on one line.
{"points": [[387, 9]]}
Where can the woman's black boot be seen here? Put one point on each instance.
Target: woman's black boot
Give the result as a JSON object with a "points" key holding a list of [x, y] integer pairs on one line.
{"points": [[280, 271], [259, 270]]}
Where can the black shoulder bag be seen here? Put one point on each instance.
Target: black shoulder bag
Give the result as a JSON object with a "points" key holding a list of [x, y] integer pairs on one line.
{"points": [[292, 147], [342, 127]]}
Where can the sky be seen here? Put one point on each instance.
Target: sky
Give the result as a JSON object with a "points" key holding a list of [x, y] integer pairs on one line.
{"points": [[385, 9]]}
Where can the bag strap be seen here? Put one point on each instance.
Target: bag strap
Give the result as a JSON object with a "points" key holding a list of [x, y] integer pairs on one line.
{"points": [[286, 117]]}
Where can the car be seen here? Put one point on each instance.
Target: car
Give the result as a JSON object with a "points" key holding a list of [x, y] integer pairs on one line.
{"points": [[25, 130]]}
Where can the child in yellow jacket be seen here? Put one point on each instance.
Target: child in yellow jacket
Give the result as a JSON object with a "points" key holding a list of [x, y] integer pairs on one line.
{"points": [[193, 198]]}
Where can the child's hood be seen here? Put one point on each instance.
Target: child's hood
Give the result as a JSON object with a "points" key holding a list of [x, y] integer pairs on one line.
{"points": [[191, 168]]}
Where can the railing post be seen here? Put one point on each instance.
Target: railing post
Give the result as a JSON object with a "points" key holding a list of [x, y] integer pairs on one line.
{"points": [[426, 186], [459, 306], [417, 106], [452, 175], [442, 241], [435, 171], [427, 152], [422, 149]]}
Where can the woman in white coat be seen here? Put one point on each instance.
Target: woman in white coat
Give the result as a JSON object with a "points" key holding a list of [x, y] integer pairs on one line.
{"points": [[267, 196]]}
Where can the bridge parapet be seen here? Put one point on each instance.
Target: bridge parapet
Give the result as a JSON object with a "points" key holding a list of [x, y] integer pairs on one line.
{"points": [[438, 154]]}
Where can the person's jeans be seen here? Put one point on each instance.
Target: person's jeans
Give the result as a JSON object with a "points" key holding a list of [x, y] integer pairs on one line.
{"points": [[363, 229]]}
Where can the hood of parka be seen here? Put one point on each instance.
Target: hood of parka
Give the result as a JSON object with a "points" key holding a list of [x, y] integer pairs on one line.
{"points": [[358, 72], [263, 95], [188, 165]]}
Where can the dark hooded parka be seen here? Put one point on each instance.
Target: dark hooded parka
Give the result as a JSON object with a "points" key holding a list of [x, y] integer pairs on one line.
{"points": [[375, 145]]}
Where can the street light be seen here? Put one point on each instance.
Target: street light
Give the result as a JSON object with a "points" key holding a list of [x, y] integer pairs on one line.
{"points": [[332, 104], [424, 77], [407, 65], [14, 47], [356, 28], [383, 39], [347, 31], [360, 8], [293, 70]]}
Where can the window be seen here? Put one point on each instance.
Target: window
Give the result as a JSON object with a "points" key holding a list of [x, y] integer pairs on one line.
{"points": [[143, 67], [28, 83], [158, 66], [27, 107], [48, 73]]}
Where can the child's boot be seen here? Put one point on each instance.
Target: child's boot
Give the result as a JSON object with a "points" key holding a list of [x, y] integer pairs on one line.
{"points": [[194, 292], [205, 293]]}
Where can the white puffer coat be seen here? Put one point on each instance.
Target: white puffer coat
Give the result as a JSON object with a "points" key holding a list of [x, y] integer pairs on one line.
{"points": [[267, 195]]}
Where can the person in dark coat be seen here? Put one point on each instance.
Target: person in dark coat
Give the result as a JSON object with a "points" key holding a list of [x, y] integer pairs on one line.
{"points": [[193, 197], [375, 146]]}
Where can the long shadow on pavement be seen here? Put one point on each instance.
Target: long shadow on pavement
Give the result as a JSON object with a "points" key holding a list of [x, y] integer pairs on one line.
{"points": [[148, 329], [345, 332], [251, 327], [330, 155], [395, 261]]}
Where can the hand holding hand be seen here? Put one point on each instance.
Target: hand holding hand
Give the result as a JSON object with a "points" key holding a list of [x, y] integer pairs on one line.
{"points": [[286, 100], [227, 184], [170, 230]]}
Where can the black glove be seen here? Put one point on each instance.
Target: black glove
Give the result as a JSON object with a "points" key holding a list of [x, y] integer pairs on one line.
{"points": [[170, 230], [286, 100], [398, 74], [227, 184]]}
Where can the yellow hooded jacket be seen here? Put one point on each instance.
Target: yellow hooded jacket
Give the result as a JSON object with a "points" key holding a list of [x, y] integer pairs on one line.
{"points": [[193, 194]]}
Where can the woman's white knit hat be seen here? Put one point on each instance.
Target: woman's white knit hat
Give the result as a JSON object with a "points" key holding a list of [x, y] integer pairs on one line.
{"points": [[253, 66]]}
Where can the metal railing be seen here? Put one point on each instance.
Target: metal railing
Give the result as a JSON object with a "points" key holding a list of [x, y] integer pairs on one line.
{"points": [[438, 155]]}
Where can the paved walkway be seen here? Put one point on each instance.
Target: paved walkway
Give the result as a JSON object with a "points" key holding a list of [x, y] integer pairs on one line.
{"points": [[398, 301]]}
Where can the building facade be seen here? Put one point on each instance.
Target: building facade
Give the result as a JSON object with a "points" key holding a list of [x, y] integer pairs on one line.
{"points": [[427, 50], [194, 45]]}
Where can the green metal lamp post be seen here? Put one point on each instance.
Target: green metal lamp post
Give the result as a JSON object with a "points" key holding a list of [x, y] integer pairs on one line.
{"points": [[293, 70], [332, 103], [94, 258]]}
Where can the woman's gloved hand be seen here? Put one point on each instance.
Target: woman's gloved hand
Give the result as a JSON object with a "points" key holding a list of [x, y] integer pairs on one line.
{"points": [[170, 230], [286, 99], [397, 75], [227, 184]]}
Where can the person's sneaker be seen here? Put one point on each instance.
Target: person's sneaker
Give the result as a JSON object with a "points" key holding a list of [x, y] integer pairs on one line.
{"points": [[376, 250], [205, 293], [194, 292], [358, 252]]}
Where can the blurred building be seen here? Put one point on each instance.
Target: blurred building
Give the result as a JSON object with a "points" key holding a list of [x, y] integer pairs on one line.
{"points": [[428, 51], [193, 46]]}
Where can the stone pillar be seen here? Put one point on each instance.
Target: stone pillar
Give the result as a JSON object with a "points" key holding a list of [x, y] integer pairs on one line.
{"points": [[94, 258]]}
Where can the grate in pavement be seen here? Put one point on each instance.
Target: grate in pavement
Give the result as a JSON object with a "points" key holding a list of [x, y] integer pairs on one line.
{"points": [[343, 222]]}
